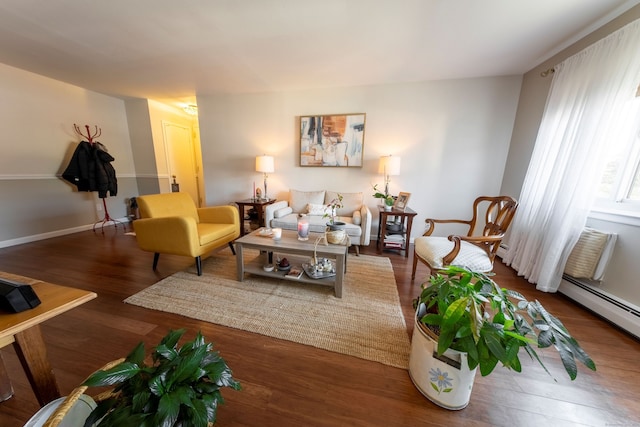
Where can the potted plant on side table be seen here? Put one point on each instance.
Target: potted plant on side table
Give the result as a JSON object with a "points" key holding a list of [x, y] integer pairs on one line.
{"points": [[465, 321], [387, 199]]}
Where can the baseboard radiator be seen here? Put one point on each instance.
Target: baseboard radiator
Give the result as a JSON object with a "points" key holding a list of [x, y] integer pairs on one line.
{"points": [[617, 311], [583, 273]]}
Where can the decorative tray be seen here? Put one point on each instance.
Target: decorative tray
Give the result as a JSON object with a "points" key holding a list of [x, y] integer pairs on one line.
{"points": [[322, 273], [265, 232]]}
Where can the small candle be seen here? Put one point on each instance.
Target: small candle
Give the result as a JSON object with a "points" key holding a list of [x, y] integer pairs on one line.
{"points": [[253, 195], [277, 233]]}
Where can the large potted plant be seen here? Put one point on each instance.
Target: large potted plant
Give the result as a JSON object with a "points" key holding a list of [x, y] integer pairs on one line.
{"points": [[181, 387], [465, 321]]}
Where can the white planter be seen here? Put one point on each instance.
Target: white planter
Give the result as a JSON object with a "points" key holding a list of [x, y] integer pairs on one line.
{"points": [[446, 381]]}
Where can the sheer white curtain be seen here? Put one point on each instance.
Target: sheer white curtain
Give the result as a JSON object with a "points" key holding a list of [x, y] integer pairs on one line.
{"points": [[587, 100]]}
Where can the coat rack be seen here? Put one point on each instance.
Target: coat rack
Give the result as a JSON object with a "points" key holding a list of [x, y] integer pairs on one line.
{"points": [[90, 138]]}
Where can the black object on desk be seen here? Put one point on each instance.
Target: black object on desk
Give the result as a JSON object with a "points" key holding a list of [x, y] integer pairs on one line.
{"points": [[16, 297]]}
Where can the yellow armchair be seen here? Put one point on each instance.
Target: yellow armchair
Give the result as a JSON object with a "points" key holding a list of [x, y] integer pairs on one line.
{"points": [[172, 224]]}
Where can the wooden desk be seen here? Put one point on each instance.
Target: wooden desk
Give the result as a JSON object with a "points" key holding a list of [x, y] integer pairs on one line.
{"points": [[23, 331], [406, 221], [258, 205]]}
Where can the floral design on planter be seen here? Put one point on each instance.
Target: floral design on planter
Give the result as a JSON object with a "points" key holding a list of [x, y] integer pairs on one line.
{"points": [[440, 381]]}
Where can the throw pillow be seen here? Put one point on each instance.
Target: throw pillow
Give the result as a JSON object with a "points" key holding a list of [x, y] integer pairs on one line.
{"points": [[315, 209]]}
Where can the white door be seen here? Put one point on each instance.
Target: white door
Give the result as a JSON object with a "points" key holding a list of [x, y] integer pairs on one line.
{"points": [[181, 158]]}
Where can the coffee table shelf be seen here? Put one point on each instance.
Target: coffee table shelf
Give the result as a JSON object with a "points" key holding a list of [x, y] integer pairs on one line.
{"points": [[296, 251], [255, 267]]}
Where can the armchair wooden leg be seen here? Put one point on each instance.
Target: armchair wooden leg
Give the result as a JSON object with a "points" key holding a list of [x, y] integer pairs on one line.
{"points": [[233, 250], [156, 256], [357, 250], [199, 265], [415, 264]]}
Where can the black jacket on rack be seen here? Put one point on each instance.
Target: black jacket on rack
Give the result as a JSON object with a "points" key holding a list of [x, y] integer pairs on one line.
{"points": [[90, 169]]}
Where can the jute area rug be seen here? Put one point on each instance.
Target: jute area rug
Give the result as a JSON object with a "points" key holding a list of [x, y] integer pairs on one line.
{"points": [[367, 322]]}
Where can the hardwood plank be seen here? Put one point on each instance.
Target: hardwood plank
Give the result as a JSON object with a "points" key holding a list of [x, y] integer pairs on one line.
{"points": [[289, 384]]}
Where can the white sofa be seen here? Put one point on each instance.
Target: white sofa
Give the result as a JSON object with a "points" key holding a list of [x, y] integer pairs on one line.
{"points": [[356, 215]]}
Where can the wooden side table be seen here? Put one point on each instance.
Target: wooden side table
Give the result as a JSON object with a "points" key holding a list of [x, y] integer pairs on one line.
{"points": [[403, 228], [23, 331], [258, 205]]}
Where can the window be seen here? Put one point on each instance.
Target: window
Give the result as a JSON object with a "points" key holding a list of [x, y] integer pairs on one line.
{"points": [[619, 189]]}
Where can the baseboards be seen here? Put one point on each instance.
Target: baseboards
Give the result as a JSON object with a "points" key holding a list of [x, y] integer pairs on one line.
{"points": [[502, 250], [56, 233]]}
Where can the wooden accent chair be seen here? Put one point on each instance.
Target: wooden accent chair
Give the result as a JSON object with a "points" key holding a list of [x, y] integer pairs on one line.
{"points": [[475, 251], [172, 224]]}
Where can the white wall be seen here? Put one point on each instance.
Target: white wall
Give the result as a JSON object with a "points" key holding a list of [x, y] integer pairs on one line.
{"points": [[453, 137], [37, 115]]}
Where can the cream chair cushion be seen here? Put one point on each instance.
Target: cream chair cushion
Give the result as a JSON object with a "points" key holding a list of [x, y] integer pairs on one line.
{"points": [[433, 249]]}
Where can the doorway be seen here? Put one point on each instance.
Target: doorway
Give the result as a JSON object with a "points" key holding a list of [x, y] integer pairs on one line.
{"points": [[181, 159]]}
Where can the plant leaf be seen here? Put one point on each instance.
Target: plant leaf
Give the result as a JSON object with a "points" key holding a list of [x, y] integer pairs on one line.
{"points": [[493, 339], [168, 410], [454, 312], [568, 361], [137, 355], [117, 374]]}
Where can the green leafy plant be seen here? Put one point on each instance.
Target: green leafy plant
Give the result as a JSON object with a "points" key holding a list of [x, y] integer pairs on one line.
{"points": [[386, 198], [470, 313], [180, 388], [334, 205]]}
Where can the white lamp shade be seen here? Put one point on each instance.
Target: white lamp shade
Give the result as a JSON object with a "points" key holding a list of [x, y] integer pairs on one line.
{"points": [[389, 165], [265, 164]]}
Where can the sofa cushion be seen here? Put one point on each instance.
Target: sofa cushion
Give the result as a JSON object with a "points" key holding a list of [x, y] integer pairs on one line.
{"points": [[298, 200], [351, 202]]}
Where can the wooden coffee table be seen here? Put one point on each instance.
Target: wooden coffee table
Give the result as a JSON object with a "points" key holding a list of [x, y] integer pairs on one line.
{"points": [[296, 251]]}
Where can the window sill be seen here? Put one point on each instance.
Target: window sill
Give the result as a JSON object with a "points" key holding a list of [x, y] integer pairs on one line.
{"points": [[620, 217]]}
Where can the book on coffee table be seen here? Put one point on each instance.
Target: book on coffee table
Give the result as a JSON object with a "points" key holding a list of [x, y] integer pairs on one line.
{"points": [[294, 274]]}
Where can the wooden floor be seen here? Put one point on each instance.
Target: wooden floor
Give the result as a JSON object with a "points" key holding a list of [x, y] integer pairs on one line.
{"points": [[288, 384]]}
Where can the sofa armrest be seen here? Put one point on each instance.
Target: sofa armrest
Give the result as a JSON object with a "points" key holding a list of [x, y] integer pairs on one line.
{"points": [[270, 209], [176, 235], [225, 214], [365, 214]]}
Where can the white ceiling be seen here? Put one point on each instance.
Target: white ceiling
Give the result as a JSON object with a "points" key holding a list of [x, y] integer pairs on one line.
{"points": [[171, 50]]}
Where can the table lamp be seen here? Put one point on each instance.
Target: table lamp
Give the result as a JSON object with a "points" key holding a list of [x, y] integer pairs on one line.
{"points": [[265, 165], [389, 166]]}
